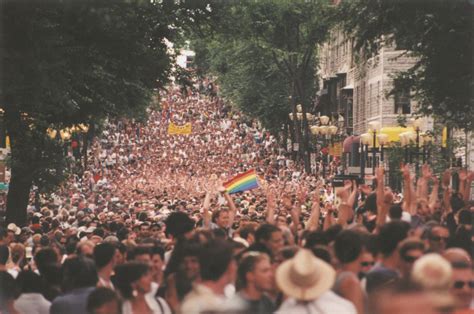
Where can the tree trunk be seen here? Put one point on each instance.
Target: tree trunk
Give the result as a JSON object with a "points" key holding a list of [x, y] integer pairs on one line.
{"points": [[21, 179], [18, 196]]}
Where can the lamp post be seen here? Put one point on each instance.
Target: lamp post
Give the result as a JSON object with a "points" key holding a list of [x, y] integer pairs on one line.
{"points": [[326, 131], [412, 141], [299, 117], [370, 139]]}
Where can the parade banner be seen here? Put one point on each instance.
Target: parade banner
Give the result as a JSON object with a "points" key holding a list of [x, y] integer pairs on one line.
{"points": [[174, 129]]}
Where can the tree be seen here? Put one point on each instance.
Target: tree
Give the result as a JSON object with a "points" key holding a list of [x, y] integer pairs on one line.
{"points": [[71, 62], [438, 34], [282, 34]]}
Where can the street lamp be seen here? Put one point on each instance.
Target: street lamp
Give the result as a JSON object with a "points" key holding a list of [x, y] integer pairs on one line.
{"points": [[412, 141], [326, 131], [370, 139]]}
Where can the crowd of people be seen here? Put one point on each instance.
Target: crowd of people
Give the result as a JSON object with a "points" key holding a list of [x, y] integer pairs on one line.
{"points": [[149, 228]]}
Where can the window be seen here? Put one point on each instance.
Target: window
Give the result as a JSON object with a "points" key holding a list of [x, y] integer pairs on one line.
{"points": [[402, 101]]}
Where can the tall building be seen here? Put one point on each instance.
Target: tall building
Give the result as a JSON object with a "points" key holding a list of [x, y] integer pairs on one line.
{"points": [[359, 89]]}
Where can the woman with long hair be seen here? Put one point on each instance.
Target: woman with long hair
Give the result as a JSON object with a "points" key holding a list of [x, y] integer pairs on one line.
{"points": [[133, 281]]}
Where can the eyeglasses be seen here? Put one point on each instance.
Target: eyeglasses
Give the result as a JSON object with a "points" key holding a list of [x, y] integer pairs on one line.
{"points": [[365, 264], [438, 239], [409, 258], [460, 284]]}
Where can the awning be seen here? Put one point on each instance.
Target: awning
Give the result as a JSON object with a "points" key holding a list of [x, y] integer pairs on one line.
{"points": [[350, 86], [347, 144]]}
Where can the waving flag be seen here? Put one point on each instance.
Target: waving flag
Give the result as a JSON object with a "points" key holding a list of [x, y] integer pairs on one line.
{"points": [[242, 182]]}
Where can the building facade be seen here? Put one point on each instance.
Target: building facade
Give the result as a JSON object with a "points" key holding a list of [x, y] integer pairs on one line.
{"points": [[359, 90]]}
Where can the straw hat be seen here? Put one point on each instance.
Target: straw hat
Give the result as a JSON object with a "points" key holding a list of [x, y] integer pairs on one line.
{"points": [[305, 277]]}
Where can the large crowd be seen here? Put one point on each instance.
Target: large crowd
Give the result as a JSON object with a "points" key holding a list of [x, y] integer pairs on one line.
{"points": [[149, 228]]}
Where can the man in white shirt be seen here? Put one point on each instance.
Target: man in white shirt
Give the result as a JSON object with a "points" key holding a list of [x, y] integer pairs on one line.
{"points": [[216, 274], [307, 281]]}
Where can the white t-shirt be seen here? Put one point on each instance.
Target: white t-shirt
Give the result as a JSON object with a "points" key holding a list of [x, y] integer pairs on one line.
{"points": [[327, 303]]}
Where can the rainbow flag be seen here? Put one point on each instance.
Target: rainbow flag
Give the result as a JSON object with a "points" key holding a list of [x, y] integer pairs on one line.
{"points": [[242, 182]]}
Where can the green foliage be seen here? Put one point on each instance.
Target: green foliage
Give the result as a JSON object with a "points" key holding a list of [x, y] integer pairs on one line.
{"points": [[263, 52], [438, 34], [66, 62]]}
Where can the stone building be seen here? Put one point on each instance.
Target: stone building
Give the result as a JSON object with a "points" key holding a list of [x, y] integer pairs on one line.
{"points": [[358, 90]]}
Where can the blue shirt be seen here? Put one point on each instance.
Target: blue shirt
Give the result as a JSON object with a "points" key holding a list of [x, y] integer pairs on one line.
{"points": [[73, 302]]}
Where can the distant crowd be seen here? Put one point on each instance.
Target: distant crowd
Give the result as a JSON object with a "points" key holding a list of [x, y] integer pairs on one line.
{"points": [[149, 228]]}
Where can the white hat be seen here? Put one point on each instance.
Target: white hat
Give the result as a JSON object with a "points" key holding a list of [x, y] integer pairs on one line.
{"points": [[305, 277], [90, 229], [12, 227]]}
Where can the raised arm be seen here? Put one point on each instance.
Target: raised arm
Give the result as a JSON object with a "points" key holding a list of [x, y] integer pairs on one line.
{"points": [[271, 205], [434, 194], [382, 204], [446, 191], [313, 222], [345, 209], [206, 213], [296, 210], [232, 207], [410, 191]]}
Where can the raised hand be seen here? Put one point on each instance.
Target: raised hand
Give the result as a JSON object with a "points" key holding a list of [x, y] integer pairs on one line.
{"points": [[364, 188], [405, 171], [301, 196], [446, 178], [286, 201], [462, 174], [426, 171]]}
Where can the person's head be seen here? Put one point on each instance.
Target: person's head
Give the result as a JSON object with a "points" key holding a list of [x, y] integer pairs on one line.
{"points": [[133, 279], [140, 254], [432, 272], [370, 251], [222, 266], [178, 224], [103, 301], [79, 272], [45, 257], [270, 236], [86, 248], [105, 255], [157, 254], [255, 270], [4, 254], [222, 218], [305, 277], [422, 207], [190, 260], [247, 232], [462, 283], [437, 237], [395, 212], [29, 282], [348, 247], [390, 235], [409, 251], [18, 253]]}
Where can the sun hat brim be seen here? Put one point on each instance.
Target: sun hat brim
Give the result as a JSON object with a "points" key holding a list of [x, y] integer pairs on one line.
{"points": [[292, 289]]}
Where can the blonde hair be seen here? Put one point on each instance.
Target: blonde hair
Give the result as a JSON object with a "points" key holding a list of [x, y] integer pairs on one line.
{"points": [[432, 272]]}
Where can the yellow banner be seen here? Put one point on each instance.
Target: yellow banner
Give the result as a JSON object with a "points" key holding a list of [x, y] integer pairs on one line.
{"points": [[174, 129], [444, 138], [335, 149]]}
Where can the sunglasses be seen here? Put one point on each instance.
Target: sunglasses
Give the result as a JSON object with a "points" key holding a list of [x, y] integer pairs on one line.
{"points": [[365, 264], [460, 284], [439, 239], [409, 259]]}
